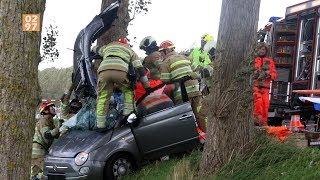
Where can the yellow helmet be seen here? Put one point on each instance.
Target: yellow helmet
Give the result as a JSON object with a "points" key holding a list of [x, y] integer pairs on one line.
{"points": [[206, 37]]}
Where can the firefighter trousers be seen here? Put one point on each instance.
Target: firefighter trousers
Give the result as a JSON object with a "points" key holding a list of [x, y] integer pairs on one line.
{"points": [[107, 81], [37, 167], [261, 105]]}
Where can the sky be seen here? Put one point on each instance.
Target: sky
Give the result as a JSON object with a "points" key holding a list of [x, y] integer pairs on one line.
{"points": [[182, 23]]}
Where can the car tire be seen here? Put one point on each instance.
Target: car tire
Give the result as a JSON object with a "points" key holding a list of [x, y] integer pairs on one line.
{"points": [[118, 165]]}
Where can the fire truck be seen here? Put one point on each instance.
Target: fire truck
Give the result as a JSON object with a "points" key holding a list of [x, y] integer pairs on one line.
{"points": [[294, 46]]}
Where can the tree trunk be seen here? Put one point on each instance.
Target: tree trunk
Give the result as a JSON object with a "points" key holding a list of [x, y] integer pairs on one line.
{"points": [[230, 125], [119, 26], [19, 59]]}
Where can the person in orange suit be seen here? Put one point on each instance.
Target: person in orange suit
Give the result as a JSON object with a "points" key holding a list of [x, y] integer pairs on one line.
{"points": [[265, 72]]}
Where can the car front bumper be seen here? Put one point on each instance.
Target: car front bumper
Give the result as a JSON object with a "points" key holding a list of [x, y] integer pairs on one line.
{"points": [[64, 168]]}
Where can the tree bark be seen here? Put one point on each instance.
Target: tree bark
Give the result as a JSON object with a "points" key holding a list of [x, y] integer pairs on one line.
{"points": [[119, 26], [230, 125], [19, 59]]}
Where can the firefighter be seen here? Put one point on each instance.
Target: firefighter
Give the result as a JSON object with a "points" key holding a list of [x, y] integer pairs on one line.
{"points": [[198, 55], [45, 133], [153, 60], [115, 70], [69, 109], [264, 73], [156, 101], [178, 67]]}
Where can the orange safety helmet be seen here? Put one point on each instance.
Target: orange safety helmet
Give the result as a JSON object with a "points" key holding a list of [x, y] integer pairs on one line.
{"points": [[166, 45], [148, 74], [123, 40], [44, 105]]}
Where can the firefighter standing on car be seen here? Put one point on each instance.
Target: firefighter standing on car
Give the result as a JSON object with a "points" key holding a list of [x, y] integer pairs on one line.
{"points": [[153, 60], [264, 73], [113, 71], [178, 67], [45, 133]]}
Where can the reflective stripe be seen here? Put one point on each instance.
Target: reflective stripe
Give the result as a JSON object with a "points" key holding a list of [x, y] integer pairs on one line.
{"points": [[44, 129], [165, 76], [178, 62], [190, 89], [128, 101], [116, 62], [101, 103], [38, 151], [116, 50], [181, 71], [136, 63], [101, 121], [194, 66], [153, 101], [157, 63]]}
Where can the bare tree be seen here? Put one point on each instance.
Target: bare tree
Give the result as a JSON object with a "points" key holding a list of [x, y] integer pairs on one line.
{"points": [[230, 125], [19, 59]]}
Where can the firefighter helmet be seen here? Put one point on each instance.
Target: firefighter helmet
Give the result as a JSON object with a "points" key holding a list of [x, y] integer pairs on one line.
{"points": [[206, 37], [123, 40], [166, 45], [45, 105], [147, 41]]}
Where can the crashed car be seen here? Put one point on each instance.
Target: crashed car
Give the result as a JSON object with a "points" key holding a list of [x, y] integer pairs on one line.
{"points": [[108, 155]]}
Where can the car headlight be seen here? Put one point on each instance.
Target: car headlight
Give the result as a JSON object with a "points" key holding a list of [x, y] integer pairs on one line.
{"points": [[81, 158]]}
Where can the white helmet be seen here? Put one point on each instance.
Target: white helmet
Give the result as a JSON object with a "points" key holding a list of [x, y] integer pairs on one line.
{"points": [[146, 42]]}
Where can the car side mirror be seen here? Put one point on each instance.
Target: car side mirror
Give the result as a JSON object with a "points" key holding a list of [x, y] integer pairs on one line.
{"points": [[132, 118]]}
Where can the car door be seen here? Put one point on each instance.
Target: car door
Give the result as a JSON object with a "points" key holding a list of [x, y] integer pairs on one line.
{"points": [[168, 131]]}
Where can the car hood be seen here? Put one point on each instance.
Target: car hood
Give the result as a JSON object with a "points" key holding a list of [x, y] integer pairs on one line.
{"points": [[75, 141]]}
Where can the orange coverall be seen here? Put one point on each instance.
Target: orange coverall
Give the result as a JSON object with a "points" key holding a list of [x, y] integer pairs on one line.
{"points": [[265, 72]]}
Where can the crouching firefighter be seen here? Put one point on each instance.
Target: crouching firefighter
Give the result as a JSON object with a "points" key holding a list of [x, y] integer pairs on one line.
{"points": [[178, 68], [117, 69], [45, 133]]}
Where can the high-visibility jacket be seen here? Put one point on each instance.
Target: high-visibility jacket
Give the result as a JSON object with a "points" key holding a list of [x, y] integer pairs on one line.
{"points": [[153, 62], [262, 65], [154, 102], [117, 56], [176, 66], [44, 134], [200, 57]]}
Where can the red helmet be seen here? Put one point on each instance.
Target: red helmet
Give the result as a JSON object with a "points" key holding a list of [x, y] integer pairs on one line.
{"points": [[148, 74], [123, 40], [44, 105], [166, 45]]}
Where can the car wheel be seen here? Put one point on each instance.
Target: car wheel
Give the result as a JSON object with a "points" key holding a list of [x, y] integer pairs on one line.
{"points": [[119, 165]]}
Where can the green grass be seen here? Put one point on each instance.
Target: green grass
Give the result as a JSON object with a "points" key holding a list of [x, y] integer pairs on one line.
{"points": [[270, 160], [273, 160]]}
